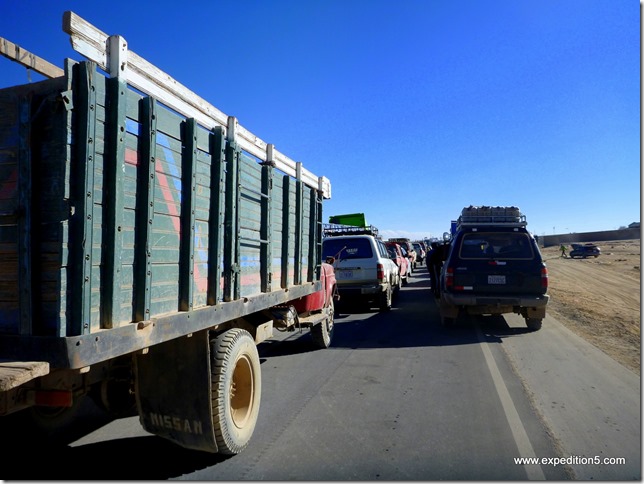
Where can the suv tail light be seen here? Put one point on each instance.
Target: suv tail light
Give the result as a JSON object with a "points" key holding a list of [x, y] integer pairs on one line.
{"points": [[380, 272], [544, 278], [449, 277]]}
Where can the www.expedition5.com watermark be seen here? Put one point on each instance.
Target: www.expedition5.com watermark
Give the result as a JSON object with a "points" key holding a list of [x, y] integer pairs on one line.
{"points": [[571, 460]]}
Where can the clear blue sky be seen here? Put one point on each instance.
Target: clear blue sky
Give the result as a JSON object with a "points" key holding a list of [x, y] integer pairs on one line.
{"points": [[413, 109]]}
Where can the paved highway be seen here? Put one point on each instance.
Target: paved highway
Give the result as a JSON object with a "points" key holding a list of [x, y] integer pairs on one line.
{"points": [[398, 397]]}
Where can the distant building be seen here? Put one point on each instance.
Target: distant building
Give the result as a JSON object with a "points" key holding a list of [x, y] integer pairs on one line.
{"points": [[634, 225]]}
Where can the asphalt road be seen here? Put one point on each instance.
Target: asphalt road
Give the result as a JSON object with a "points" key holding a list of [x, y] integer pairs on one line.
{"points": [[398, 397]]}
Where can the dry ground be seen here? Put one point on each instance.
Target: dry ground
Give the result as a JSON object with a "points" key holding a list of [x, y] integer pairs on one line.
{"points": [[599, 298]]}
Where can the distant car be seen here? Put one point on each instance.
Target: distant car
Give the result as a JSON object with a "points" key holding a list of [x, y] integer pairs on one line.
{"points": [[584, 250], [396, 254], [407, 255], [408, 250], [420, 252]]}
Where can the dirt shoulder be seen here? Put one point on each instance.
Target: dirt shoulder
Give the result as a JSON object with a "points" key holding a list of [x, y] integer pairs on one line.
{"points": [[599, 298]]}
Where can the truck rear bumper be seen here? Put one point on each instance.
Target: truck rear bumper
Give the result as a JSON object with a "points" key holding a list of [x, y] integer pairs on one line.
{"points": [[15, 373]]}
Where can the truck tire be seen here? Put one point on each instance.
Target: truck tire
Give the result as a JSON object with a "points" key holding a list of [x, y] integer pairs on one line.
{"points": [[59, 426], [533, 324], [236, 389], [385, 299], [322, 333]]}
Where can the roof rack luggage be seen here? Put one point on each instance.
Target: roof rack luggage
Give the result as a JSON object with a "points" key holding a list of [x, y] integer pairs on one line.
{"points": [[353, 219], [330, 230], [482, 216]]}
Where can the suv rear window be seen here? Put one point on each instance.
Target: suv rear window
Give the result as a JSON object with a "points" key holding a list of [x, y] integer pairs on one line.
{"points": [[501, 245], [358, 248]]}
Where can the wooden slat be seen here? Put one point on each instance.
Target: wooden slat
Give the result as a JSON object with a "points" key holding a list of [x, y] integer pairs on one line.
{"points": [[299, 217], [286, 231], [145, 210], [188, 201], [231, 224], [114, 204], [25, 239], [31, 61], [85, 104], [314, 216], [217, 209], [266, 229], [15, 373]]}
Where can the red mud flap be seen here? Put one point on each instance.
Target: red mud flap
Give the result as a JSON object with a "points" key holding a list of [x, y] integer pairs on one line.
{"points": [[173, 390]]}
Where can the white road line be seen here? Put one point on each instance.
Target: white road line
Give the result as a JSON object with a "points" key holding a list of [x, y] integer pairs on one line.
{"points": [[519, 433]]}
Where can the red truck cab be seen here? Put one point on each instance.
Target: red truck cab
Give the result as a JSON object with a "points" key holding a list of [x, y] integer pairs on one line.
{"points": [[321, 299], [317, 309]]}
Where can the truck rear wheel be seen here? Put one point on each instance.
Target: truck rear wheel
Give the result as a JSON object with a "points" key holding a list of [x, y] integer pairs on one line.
{"points": [[62, 425], [236, 389], [322, 333]]}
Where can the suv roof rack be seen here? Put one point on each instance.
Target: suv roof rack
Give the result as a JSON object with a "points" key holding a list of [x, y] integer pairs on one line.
{"points": [[487, 216], [330, 230], [399, 240]]}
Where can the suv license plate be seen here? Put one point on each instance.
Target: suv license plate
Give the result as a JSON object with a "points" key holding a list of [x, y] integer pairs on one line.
{"points": [[496, 279], [345, 274]]}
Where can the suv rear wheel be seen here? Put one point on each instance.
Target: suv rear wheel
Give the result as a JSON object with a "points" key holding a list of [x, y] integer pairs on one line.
{"points": [[533, 324], [385, 299]]}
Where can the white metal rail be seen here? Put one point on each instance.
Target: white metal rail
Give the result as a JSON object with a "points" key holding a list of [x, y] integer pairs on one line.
{"points": [[111, 54]]}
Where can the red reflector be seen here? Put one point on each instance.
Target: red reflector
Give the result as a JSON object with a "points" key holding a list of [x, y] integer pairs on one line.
{"points": [[53, 398]]}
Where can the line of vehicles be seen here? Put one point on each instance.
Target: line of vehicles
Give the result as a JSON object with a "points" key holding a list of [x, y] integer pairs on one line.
{"points": [[369, 269], [490, 264]]}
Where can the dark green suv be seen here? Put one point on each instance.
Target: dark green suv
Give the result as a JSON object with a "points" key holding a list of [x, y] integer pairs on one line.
{"points": [[494, 269]]}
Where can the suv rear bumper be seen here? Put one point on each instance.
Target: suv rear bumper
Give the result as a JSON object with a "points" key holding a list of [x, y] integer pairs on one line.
{"points": [[529, 306], [501, 300], [361, 290]]}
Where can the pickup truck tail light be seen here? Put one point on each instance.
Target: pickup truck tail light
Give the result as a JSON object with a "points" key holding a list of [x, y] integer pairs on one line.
{"points": [[380, 272], [544, 277]]}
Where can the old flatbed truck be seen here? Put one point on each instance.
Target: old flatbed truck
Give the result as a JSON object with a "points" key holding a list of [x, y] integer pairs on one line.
{"points": [[148, 243]]}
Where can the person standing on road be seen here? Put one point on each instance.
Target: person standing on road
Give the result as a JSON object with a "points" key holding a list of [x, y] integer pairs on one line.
{"points": [[437, 255], [563, 250]]}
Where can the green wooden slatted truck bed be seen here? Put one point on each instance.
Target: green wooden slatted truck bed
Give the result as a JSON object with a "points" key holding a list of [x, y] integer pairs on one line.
{"points": [[148, 243]]}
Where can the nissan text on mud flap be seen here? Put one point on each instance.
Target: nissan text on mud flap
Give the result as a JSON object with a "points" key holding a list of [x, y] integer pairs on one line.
{"points": [[494, 266]]}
